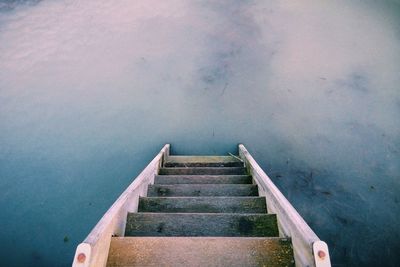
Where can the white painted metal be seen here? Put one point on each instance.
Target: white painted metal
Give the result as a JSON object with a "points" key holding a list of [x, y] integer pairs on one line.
{"points": [[236, 157], [84, 249], [290, 223], [96, 245], [321, 253]]}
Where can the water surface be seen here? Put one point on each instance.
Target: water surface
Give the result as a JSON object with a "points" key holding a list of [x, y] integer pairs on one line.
{"points": [[91, 90]]}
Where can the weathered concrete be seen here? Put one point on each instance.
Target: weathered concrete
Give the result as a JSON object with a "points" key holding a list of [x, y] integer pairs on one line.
{"points": [[203, 161], [203, 179], [203, 171], [203, 204], [201, 224], [193, 190], [200, 251]]}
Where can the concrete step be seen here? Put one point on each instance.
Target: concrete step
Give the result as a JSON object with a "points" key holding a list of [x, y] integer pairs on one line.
{"points": [[203, 171], [200, 251], [202, 161], [202, 190], [201, 224], [203, 204], [203, 179]]}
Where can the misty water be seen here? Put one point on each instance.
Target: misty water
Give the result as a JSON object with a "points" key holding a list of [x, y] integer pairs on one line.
{"points": [[91, 90]]}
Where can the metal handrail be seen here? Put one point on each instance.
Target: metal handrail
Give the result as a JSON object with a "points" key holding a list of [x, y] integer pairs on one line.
{"points": [[93, 251], [308, 249]]}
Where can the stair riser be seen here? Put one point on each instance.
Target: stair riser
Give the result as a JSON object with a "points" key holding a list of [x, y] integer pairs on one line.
{"points": [[203, 171], [197, 224], [202, 179], [203, 190], [203, 204]]}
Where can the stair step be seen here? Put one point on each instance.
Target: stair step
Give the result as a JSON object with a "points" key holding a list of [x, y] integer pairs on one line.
{"points": [[202, 190], [201, 224], [202, 161], [200, 251], [203, 171], [202, 179], [203, 204]]}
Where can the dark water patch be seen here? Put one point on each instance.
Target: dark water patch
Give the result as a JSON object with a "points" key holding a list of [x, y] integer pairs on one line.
{"points": [[9, 5], [327, 193], [355, 82], [344, 221], [36, 256], [234, 41], [372, 187]]}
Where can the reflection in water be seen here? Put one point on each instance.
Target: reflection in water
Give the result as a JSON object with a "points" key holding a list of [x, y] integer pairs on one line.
{"points": [[91, 90]]}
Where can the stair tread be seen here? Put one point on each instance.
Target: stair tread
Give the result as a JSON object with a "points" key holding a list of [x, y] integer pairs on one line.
{"points": [[201, 224], [203, 179], [202, 161], [200, 251], [202, 170], [203, 204], [202, 190], [207, 158]]}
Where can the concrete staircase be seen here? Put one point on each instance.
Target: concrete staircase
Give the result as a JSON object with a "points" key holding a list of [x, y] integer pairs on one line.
{"points": [[201, 211]]}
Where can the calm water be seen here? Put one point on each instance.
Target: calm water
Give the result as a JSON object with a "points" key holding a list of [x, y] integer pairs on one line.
{"points": [[91, 90]]}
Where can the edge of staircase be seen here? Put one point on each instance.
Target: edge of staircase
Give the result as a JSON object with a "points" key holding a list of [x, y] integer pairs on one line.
{"points": [[308, 249]]}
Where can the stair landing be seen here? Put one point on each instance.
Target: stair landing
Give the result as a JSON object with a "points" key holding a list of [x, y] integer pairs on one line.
{"points": [[200, 251]]}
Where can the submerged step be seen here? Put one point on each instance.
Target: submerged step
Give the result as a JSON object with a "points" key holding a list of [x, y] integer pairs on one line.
{"points": [[203, 204], [193, 190], [202, 179], [200, 251], [201, 224], [203, 171], [203, 161]]}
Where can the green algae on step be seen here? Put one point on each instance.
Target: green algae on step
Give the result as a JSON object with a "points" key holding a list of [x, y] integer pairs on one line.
{"points": [[203, 204], [201, 224], [202, 179], [202, 161], [193, 190], [203, 171]]}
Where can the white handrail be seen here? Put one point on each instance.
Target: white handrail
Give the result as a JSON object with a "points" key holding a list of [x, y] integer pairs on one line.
{"points": [[93, 251], [290, 223]]}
